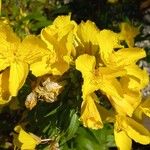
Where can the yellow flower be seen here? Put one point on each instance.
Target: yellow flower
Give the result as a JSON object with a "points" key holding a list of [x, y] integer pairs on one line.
{"points": [[89, 114], [124, 94], [126, 129], [25, 141], [59, 40], [123, 61], [94, 79], [114, 71], [128, 33], [18, 55], [113, 54]]}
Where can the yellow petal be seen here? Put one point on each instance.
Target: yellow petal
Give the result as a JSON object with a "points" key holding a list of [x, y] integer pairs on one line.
{"points": [[87, 38], [9, 40], [86, 64], [47, 36], [32, 49], [112, 88], [88, 72], [94, 79], [4, 63], [138, 78], [126, 56], [9, 43], [59, 39], [90, 115], [62, 21], [108, 40], [42, 67], [59, 67], [128, 33], [143, 108], [5, 96], [122, 140], [18, 75], [27, 140], [137, 131], [127, 104]]}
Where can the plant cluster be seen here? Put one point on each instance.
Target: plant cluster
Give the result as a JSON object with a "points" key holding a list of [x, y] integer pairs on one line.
{"points": [[93, 72]]}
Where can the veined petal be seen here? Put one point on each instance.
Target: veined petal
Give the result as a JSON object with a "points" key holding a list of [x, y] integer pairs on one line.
{"points": [[18, 75], [122, 140], [89, 114], [32, 49]]}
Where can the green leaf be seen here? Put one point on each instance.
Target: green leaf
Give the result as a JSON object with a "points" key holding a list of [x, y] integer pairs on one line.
{"points": [[100, 139], [72, 128]]}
